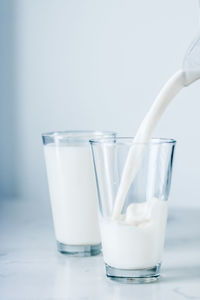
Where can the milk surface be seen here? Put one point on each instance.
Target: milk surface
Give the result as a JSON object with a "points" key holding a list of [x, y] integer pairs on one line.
{"points": [[73, 194], [136, 240]]}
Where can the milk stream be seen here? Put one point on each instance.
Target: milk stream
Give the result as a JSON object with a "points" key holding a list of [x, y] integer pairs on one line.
{"points": [[144, 133]]}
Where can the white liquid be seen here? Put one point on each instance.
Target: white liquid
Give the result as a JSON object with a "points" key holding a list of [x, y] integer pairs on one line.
{"points": [[144, 133], [136, 240], [73, 194]]}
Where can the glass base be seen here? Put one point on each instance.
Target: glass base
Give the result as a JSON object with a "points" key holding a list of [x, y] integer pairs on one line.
{"points": [[133, 276], [79, 250]]}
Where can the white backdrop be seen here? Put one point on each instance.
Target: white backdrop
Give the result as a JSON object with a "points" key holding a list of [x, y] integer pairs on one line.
{"points": [[88, 64]]}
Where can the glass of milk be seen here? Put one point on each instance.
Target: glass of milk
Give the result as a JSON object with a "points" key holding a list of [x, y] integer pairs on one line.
{"points": [[73, 191], [133, 243]]}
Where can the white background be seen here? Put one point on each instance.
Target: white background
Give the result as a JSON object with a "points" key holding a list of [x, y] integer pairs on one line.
{"points": [[88, 64]]}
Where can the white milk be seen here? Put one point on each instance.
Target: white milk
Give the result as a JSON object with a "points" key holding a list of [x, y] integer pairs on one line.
{"points": [[136, 240], [73, 194], [143, 135]]}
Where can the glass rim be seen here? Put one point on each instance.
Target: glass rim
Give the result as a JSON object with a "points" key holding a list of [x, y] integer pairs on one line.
{"points": [[130, 141], [77, 133]]}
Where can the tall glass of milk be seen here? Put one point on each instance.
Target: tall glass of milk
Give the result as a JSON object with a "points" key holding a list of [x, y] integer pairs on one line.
{"points": [[73, 190], [133, 243]]}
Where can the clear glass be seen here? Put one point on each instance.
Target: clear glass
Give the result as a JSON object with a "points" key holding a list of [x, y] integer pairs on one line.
{"points": [[73, 191], [133, 243]]}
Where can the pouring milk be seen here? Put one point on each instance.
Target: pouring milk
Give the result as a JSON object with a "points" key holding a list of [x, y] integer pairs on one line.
{"points": [[182, 78], [135, 155]]}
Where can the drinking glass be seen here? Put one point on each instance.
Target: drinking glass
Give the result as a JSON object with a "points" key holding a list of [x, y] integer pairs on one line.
{"points": [[133, 243], [73, 191]]}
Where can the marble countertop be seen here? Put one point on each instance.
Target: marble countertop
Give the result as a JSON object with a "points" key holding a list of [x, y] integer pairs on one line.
{"points": [[32, 269]]}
